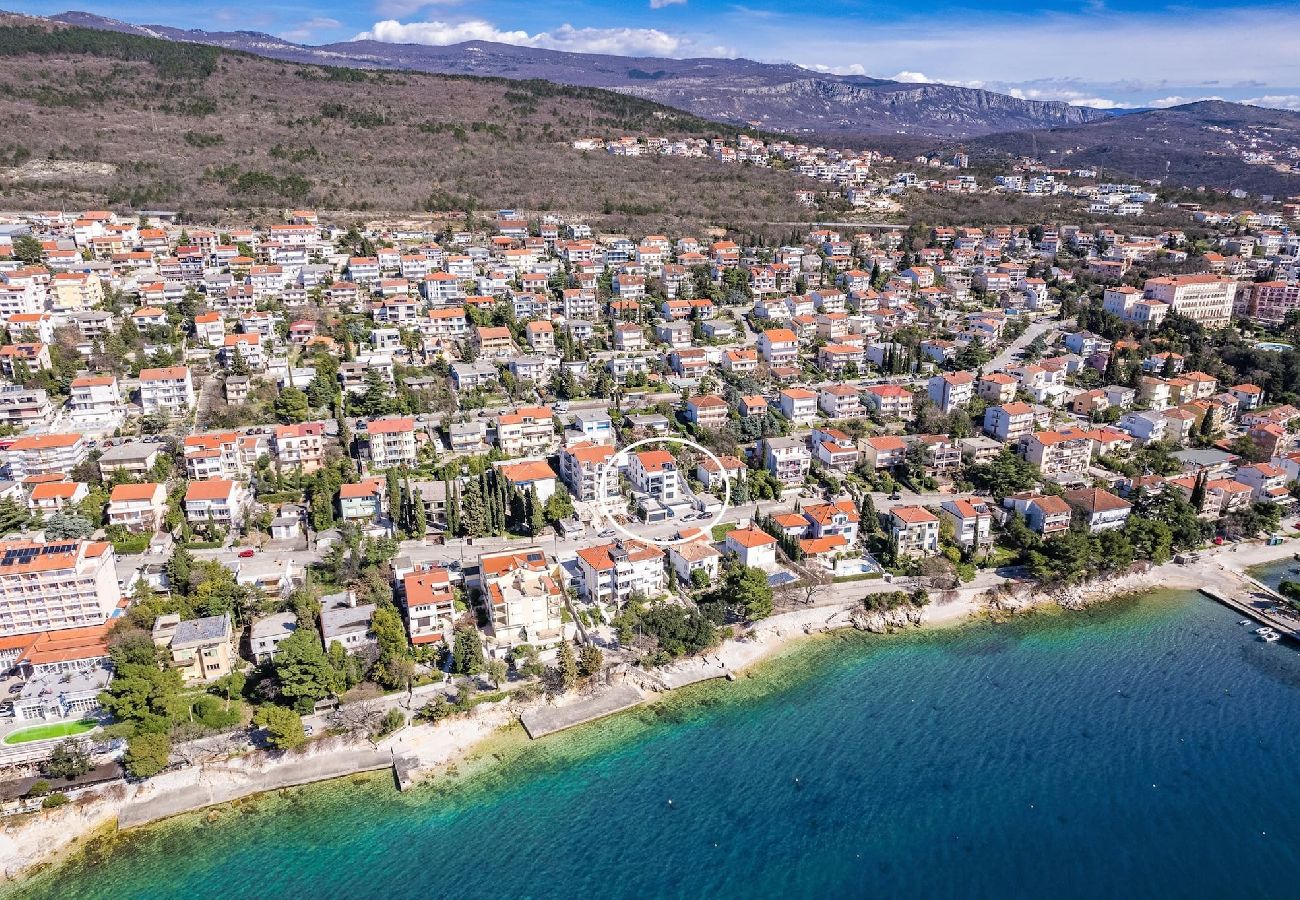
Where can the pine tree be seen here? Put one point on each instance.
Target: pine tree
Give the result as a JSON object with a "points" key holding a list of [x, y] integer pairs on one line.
{"points": [[452, 495], [1198, 492], [536, 515], [419, 518], [567, 665]]}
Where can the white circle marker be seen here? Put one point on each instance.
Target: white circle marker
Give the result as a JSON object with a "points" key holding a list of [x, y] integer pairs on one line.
{"points": [[602, 498]]}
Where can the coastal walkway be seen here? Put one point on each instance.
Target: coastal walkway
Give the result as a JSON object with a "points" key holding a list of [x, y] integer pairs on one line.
{"points": [[544, 720]]}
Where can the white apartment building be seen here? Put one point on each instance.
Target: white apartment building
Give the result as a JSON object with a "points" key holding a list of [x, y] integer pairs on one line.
{"points": [[46, 587], [524, 601], [168, 390], [138, 507], [611, 573], [655, 472], [300, 446], [95, 400], [218, 501], [429, 607], [529, 431], [581, 467], [44, 454], [1203, 298], [392, 442]]}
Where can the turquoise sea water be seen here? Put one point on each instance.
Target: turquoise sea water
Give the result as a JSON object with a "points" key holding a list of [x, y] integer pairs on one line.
{"points": [[1147, 747]]}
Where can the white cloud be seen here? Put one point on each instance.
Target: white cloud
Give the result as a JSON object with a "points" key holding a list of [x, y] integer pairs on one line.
{"points": [[1065, 95], [852, 69], [1276, 101], [911, 77], [624, 41], [305, 31], [660, 4]]}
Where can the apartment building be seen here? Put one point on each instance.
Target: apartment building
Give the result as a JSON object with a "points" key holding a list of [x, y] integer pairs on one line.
{"points": [[971, 520], [21, 408], [799, 405], [216, 502], [45, 454], [300, 446], [528, 431], [612, 573], [951, 390], [167, 390], [391, 442], [707, 411], [1055, 453], [787, 458], [212, 455], [914, 530], [655, 474], [1009, 422], [779, 347], [523, 599], [581, 468], [1206, 299], [58, 585], [428, 606], [138, 507], [95, 400], [888, 401]]}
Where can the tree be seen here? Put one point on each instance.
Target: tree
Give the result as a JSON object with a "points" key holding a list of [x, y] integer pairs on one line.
{"points": [[559, 506], [467, 656], [304, 671], [147, 754], [394, 668], [536, 515], [283, 727], [68, 759], [566, 665], [67, 526], [292, 406], [590, 661], [497, 671], [28, 249], [744, 590]]}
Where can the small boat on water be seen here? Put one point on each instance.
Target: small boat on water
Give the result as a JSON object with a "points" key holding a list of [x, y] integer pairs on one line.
{"points": [[1272, 637], [1263, 631], [1244, 622]]}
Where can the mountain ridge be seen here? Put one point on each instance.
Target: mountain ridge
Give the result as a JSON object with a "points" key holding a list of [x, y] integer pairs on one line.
{"points": [[734, 91]]}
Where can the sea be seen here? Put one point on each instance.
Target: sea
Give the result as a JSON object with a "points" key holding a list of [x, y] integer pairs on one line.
{"points": [[1146, 747]]}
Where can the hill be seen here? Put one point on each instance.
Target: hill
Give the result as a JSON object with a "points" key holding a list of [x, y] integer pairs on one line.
{"points": [[1190, 145], [94, 117], [782, 97]]}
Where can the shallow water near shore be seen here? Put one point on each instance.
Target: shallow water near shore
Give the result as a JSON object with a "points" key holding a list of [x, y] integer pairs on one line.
{"points": [[1143, 746]]}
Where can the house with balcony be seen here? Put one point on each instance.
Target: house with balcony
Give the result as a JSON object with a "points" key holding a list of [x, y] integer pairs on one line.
{"points": [[787, 458], [612, 573], [167, 390], [914, 531], [138, 507], [203, 650], [753, 547], [971, 520]]}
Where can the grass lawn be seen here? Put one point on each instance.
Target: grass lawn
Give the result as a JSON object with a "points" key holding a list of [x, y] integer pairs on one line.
{"points": [[720, 531], [45, 732]]}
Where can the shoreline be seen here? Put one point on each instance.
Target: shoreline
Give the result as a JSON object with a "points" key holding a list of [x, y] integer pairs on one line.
{"points": [[35, 844]]}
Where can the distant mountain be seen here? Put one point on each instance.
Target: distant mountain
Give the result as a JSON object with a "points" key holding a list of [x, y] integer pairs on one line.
{"points": [[778, 97], [1194, 144]]}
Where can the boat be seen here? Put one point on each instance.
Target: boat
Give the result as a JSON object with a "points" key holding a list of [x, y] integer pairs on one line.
{"points": [[1273, 637], [1263, 631], [1244, 622]]}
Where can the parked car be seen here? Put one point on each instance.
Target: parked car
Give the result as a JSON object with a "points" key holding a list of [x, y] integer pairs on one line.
{"points": [[247, 554]]}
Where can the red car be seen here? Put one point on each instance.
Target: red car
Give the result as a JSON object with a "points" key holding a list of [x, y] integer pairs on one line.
{"points": [[245, 554]]}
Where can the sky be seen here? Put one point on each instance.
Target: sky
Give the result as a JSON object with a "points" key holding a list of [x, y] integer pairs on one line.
{"points": [[1099, 53]]}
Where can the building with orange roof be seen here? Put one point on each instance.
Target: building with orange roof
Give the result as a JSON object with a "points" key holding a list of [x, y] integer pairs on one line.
{"points": [[168, 390], [429, 606], [612, 573], [695, 556], [300, 446], [524, 600], [138, 507], [581, 468], [56, 496], [527, 431], [753, 547], [971, 520], [888, 401], [799, 405], [838, 518], [391, 442], [531, 474], [64, 672], [57, 585], [216, 502], [914, 531], [45, 453], [779, 347], [654, 473]]}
